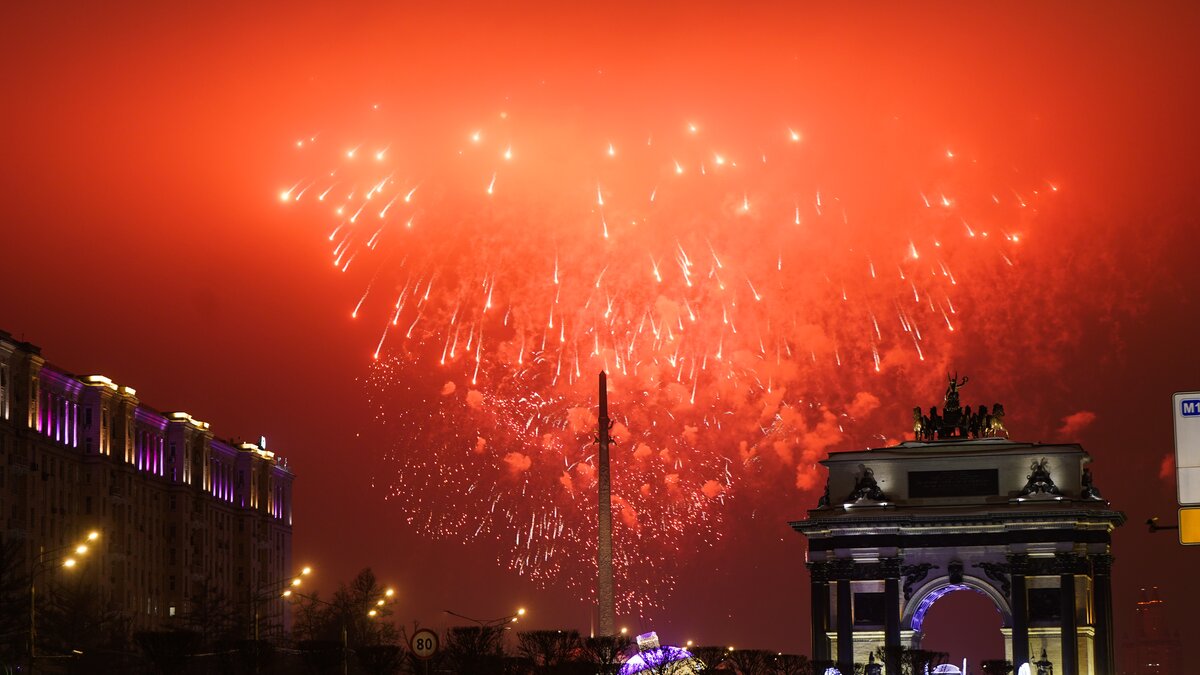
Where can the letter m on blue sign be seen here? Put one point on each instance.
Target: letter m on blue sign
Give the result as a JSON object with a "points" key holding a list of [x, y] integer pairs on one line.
{"points": [[1190, 407]]}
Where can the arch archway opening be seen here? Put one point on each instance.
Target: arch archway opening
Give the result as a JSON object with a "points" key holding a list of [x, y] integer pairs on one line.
{"points": [[963, 625]]}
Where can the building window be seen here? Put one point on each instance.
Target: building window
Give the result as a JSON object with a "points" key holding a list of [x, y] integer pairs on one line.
{"points": [[33, 404]]}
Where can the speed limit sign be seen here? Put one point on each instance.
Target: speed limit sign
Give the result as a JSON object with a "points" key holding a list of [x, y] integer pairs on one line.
{"points": [[424, 643]]}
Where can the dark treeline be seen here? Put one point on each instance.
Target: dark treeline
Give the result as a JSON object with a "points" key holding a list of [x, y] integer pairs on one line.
{"points": [[351, 632]]}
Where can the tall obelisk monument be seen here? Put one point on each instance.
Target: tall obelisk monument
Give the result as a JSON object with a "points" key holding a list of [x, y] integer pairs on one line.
{"points": [[604, 588]]}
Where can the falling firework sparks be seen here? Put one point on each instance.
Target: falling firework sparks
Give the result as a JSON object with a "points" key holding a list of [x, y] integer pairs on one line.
{"points": [[736, 324]]}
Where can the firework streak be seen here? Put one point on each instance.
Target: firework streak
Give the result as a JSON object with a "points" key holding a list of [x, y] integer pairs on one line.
{"points": [[741, 299]]}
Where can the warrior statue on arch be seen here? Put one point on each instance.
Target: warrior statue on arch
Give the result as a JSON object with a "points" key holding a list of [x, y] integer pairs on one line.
{"points": [[952, 410]]}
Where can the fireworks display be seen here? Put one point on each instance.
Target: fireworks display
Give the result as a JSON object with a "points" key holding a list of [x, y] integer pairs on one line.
{"points": [[401, 240], [741, 297]]}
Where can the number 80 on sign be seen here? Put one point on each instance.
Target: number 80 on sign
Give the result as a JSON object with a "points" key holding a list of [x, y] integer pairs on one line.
{"points": [[424, 643]]}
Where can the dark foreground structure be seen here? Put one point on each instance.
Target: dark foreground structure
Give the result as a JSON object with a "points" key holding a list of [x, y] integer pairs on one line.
{"points": [[1020, 523]]}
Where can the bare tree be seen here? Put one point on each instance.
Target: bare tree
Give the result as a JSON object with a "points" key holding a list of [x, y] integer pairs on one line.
{"points": [[711, 655], [752, 661], [912, 661], [474, 649], [312, 617], [168, 651], [352, 603], [604, 652], [346, 613], [548, 650], [14, 602], [79, 619], [381, 659], [792, 664], [210, 613]]}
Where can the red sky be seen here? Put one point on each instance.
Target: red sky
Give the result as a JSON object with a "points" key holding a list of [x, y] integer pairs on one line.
{"points": [[143, 238]]}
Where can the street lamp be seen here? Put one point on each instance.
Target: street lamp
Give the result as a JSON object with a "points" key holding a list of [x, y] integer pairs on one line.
{"points": [[492, 623], [371, 613], [388, 595], [260, 593], [45, 560]]}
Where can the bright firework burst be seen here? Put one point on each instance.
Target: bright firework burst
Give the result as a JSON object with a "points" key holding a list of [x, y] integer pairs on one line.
{"points": [[738, 296]]}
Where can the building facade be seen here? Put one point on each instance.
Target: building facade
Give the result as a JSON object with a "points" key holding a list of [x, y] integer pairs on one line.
{"points": [[963, 508], [184, 518]]}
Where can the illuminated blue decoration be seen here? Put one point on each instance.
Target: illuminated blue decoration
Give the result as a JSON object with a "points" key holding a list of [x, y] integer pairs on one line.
{"points": [[934, 596], [651, 659]]}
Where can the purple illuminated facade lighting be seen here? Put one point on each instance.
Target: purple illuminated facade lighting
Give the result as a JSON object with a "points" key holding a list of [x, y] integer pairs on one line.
{"points": [[57, 415]]}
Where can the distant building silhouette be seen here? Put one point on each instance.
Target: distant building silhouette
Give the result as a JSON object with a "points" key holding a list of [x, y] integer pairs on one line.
{"points": [[180, 513], [1153, 648]]}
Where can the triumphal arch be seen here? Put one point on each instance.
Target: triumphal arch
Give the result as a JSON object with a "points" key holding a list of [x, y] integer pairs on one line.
{"points": [[963, 508]]}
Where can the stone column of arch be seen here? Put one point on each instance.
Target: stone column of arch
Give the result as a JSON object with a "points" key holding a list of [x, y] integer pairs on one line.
{"points": [[819, 577], [844, 573], [1102, 619], [890, 571], [1066, 565], [1018, 565]]}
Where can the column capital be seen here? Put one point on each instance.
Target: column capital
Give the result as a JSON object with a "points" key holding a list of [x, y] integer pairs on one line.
{"points": [[841, 569], [1069, 563], [889, 568], [1018, 563], [818, 571], [1101, 563]]}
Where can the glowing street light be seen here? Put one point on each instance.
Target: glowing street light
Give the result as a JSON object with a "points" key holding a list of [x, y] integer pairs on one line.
{"points": [[69, 557], [492, 623], [283, 587]]}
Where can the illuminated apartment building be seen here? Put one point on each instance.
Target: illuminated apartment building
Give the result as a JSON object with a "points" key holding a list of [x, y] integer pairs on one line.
{"points": [[181, 513]]}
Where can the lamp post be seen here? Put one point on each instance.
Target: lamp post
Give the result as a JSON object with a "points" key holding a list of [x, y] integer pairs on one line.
{"points": [[489, 629], [274, 587], [69, 555], [492, 623], [388, 595]]}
